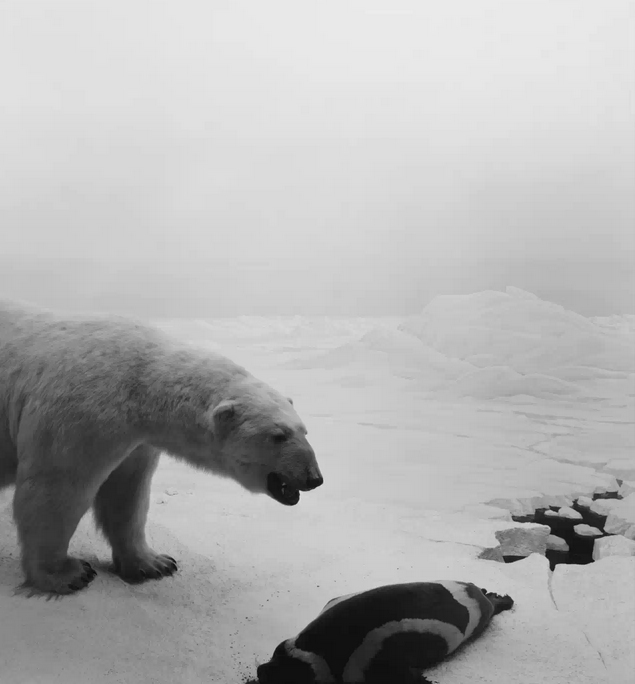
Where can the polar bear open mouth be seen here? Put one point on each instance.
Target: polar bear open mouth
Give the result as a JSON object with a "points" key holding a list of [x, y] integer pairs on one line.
{"points": [[281, 490]]}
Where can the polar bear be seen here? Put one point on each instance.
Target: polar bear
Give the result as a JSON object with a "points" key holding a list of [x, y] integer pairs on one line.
{"points": [[88, 403]]}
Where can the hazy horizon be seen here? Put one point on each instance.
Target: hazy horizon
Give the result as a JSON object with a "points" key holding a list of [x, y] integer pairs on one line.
{"points": [[214, 158]]}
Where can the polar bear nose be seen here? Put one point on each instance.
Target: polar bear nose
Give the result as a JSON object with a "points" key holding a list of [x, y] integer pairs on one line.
{"points": [[314, 482]]}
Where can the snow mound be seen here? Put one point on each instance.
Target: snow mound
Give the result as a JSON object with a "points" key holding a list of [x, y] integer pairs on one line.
{"points": [[522, 345], [493, 345], [519, 293], [519, 330], [394, 351], [625, 322]]}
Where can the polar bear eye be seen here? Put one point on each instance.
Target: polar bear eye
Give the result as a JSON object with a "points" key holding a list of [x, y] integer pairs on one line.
{"points": [[280, 437]]}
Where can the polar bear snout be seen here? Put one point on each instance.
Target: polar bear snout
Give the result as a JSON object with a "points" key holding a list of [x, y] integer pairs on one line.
{"points": [[314, 481], [286, 490], [311, 478], [295, 473]]}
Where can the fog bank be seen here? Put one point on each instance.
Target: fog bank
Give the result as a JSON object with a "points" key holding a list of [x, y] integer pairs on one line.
{"points": [[212, 158]]}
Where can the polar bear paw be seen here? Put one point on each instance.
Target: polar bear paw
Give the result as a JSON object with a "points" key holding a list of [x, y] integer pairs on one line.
{"points": [[141, 567], [68, 577]]}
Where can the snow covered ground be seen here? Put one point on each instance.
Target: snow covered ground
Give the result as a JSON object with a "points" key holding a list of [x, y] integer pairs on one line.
{"points": [[419, 426]]}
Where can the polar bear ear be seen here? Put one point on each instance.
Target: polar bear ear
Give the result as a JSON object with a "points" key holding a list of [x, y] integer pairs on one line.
{"points": [[223, 417], [290, 400]]}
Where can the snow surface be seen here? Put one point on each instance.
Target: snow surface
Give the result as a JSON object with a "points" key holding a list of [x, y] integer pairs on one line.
{"points": [[426, 430]]}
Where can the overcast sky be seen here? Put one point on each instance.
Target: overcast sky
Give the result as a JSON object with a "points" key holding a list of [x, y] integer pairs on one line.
{"points": [[325, 155]]}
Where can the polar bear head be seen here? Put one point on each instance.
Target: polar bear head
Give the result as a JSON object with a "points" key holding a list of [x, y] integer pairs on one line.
{"points": [[263, 443]]}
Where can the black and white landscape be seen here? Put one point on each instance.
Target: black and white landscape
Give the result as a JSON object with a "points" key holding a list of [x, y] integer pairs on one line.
{"points": [[416, 220]]}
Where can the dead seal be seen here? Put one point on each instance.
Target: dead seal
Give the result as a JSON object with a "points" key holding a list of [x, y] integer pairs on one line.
{"points": [[387, 635]]}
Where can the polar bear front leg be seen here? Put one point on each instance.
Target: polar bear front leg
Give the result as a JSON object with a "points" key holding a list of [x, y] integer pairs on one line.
{"points": [[47, 510], [121, 507]]}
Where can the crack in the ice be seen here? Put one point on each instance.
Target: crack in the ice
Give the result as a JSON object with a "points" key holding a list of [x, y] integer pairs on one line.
{"points": [[594, 647], [446, 541], [586, 636], [550, 588]]}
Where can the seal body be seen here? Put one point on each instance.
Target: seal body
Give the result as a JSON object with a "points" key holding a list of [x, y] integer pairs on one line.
{"points": [[387, 635]]}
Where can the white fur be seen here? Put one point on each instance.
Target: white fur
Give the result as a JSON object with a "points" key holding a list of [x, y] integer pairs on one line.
{"points": [[87, 403]]}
